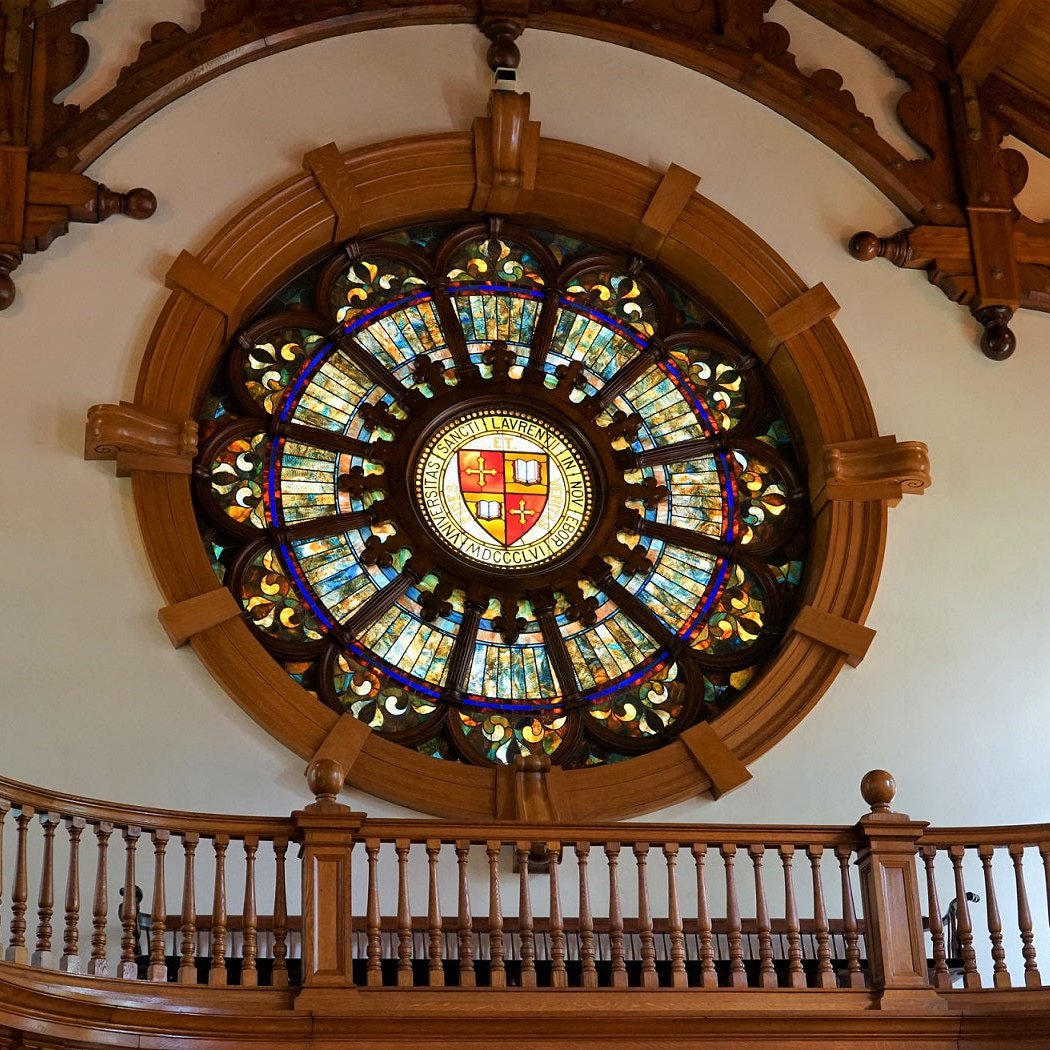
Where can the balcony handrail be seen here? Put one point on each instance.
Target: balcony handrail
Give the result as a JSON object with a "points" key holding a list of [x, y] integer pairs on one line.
{"points": [[406, 901], [146, 818]]}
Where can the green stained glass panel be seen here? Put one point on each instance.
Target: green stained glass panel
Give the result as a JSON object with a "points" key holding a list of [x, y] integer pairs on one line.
{"points": [[236, 475], [493, 260], [273, 605], [368, 283], [737, 617]]}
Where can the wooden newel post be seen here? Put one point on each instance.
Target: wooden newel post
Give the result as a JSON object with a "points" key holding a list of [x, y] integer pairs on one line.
{"points": [[890, 894], [326, 832]]}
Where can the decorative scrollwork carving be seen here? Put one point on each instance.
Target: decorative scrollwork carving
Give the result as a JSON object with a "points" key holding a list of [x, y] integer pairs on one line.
{"points": [[876, 468], [120, 430]]}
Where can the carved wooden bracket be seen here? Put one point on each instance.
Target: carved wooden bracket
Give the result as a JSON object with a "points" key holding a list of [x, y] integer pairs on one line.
{"points": [[881, 468], [527, 791], [955, 99], [36, 207], [981, 253], [967, 263], [38, 200], [506, 147], [136, 440]]}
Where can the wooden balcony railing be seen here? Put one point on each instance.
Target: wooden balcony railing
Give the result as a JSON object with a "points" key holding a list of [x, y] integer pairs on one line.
{"points": [[399, 904]]}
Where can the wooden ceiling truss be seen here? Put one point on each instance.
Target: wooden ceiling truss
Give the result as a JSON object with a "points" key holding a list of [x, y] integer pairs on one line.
{"points": [[965, 230]]}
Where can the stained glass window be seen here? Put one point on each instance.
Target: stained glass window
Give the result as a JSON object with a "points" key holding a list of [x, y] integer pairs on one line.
{"points": [[495, 492]]}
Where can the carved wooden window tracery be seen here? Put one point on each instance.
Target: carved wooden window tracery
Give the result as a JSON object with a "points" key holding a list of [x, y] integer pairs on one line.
{"points": [[654, 225], [499, 492]]}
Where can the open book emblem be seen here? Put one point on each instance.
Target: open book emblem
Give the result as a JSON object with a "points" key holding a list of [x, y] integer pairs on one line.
{"points": [[505, 491]]}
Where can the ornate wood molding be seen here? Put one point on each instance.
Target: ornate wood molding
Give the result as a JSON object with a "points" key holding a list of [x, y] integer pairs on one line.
{"points": [[953, 89], [710, 253], [138, 440], [506, 144], [880, 468], [36, 207]]}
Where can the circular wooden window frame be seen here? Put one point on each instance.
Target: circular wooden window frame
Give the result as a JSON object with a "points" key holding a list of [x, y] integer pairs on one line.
{"points": [[627, 206]]}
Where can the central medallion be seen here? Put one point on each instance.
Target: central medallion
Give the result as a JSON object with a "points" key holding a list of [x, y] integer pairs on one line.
{"points": [[504, 488]]}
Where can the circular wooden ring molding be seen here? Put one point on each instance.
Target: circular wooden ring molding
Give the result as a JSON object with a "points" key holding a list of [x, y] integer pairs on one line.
{"points": [[607, 198]]}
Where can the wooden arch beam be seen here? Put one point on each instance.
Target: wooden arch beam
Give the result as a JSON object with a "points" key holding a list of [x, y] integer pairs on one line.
{"points": [[49, 146], [731, 43]]}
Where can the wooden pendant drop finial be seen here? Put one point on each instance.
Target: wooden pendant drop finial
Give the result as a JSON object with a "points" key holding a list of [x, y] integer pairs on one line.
{"points": [[503, 52], [997, 341]]}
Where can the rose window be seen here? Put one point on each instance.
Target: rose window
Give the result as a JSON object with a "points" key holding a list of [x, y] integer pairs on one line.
{"points": [[497, 491]]}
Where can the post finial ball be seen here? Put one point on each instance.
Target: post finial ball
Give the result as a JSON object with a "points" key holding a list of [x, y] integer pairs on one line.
{"points": [[877, 789], [7, 291], [325, 777]]}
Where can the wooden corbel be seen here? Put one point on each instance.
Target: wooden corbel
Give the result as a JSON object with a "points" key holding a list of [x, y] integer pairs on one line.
{"points": [[881, 468], [36, 207], [137, 440], [41, 56], [506, 149], [527, 790], [993, 261]]}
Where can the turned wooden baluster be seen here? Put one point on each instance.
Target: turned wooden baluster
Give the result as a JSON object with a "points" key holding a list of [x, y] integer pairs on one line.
{"points": [[941, 977], [250, 949], [525, 926], [825, 971], [1000, 974], [645, 918], [188, 929], [70, 961], [129, 967], [854, 977], [465, 920], [43, 956], [708, 974], [280, 917], [98, 965], [559, 974], [4, 809], [616, 953], [963, 926], [404, 916], [737, 976], [588, 971], [497, 965], [158, 967], [679, 979], [5, 806], [437, 937], [372, 917], [17, 952], [767, 975], [796, 975], [1044, 852], [217, 969], [1032, 978]]}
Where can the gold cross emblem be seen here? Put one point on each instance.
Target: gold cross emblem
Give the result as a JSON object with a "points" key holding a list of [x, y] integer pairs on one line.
{"points": [[479, 472], [522, 511]]}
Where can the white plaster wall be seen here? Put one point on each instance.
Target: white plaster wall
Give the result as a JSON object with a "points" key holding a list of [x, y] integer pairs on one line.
{"points": [[953, 695]]}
